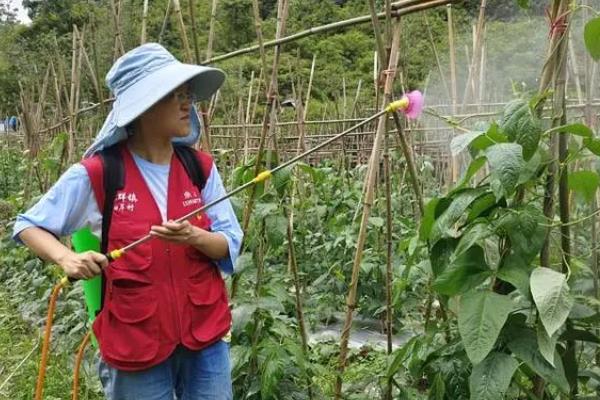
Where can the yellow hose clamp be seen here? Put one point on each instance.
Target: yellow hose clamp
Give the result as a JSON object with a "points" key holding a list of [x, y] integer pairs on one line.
{"points": [[262, 176], [116, 254], [401, 104]]}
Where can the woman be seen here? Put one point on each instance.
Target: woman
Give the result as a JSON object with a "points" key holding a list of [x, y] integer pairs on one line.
{"points": [[163, 327]]}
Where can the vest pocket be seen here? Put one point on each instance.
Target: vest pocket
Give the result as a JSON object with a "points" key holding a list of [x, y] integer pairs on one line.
{"points": [[209, 310], [130, 332], [138, 258]]}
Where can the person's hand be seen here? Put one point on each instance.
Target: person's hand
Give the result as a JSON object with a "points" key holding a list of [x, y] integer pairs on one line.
{"points": [[177, 232], [83, 265]]}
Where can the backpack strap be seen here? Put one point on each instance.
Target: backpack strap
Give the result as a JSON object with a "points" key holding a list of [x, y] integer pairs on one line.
{"points": [[107, 176], [197, 164]]}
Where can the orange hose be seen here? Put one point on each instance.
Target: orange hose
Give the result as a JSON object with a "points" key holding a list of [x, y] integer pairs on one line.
{"points": [[78, 360], [39, 387]]}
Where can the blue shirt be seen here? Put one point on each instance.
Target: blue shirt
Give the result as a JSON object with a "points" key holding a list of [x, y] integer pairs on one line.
{"points": [[71, 205]]}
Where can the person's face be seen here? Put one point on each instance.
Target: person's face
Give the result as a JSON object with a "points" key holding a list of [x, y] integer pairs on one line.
{"points": [[171, 115]]}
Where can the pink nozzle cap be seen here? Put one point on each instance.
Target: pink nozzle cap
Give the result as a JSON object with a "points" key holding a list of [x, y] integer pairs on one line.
{"points": [[415, 104]]}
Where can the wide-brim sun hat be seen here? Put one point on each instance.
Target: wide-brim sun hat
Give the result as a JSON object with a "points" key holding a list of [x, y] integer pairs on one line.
{"points": [[142, 77]]}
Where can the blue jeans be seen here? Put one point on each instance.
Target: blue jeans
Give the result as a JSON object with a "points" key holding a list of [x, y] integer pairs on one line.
{"points": [[185, 375]]}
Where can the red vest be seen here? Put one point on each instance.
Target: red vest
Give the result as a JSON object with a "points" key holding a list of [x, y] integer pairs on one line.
{"points": [[158, 294]]}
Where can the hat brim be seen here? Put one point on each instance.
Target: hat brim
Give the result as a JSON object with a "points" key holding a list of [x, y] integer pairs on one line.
{"points": [[142, 95]]}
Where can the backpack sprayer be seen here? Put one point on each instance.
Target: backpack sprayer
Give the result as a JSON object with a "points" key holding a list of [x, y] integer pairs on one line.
{"points": [[83, 240]]}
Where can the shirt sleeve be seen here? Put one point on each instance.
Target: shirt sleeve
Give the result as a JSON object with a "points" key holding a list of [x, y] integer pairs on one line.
{"points": [[223, 219], [68, 206]]}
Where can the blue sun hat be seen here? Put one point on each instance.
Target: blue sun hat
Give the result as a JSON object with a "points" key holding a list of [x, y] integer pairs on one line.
{"points": [[142, 77]]}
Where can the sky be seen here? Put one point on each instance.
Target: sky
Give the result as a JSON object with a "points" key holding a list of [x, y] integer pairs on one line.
{"points": [[21, 13]]}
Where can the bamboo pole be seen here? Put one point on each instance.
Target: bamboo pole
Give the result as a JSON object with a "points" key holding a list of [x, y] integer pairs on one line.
{"points": [[184, 38], [92, 73], [292, 262], [475, 61], [436, 55], [572, 62], [454, 99], [309, 89], [377, 32], [61, 73], [72, 121], [293, 266], [301, 146], [271, 103], [269, 115], [367, 204], [194, 33], [554, 73], [388, 259], [261, 79], [398, 9], [560, 111], [247, 119], [356, 97], [144, 21], [211, 29], [56, 91], [165, 21], [118, 48]]}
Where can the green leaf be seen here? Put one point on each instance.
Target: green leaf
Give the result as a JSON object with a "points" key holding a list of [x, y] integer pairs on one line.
{"points": [[243, 262], [428, 219], [530, 169], [376, 221], [491, 378], [513, 113], [482, 205], [522, 126], [577, 334], [241, 316], [552, 297], [524, 227], [475, 234], [506, 162], [593, 145], [546, 343], [440, 254], [491, 137], [461, 142], [530, 132], [281, 179], [444, 226], [480, 319], [524, 346], [523, 3], [276, 229], [465, 272], [591, 36], [399, 355], [575, 129], [585, 184], [515, 273], [437, 391], [473, 168], [263, 210]]}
